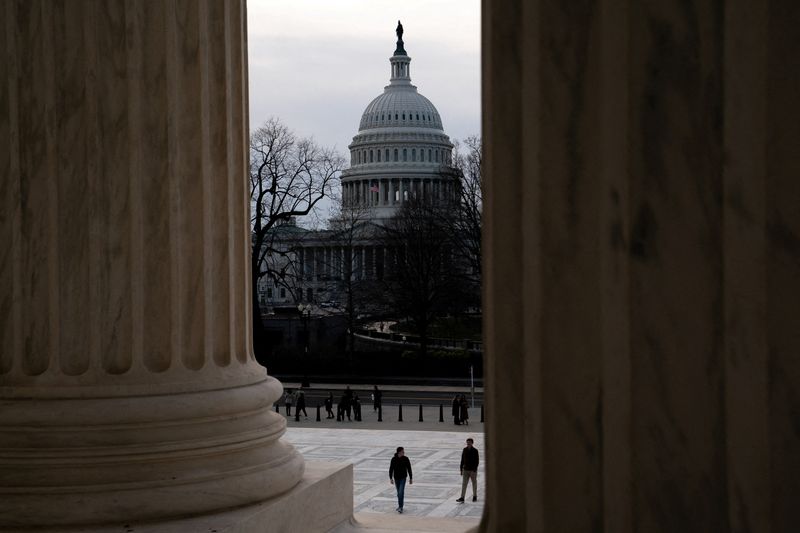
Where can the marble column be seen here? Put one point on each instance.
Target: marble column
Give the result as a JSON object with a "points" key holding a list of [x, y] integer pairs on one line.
{"points": [[128, 386], [642, 268]]}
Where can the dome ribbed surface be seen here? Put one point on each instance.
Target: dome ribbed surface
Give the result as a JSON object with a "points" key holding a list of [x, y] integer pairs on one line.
{"points": [[400, 106]]}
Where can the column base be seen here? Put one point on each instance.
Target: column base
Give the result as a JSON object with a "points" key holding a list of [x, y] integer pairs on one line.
{"points": [[394, 523], [322, 500], [82, 461]]}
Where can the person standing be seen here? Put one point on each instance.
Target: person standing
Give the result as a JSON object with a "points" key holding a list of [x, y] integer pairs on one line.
{"points": [[301, 404], [288, 399], [376, 398], [469, 471], [345, 403], [340, 410], [348, 402], [399, 470], [329, 405], [456, 410], [356, 407], [464, 410]]}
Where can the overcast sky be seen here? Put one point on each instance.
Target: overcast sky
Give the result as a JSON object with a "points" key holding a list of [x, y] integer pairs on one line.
{"points": [[316, 64]]}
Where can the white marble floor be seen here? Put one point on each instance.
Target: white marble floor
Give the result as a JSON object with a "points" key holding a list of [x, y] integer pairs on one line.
{"points": [[434, 456]]}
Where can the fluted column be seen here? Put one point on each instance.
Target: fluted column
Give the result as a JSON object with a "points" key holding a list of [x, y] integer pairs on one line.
{"points": [[642, 265], [128, 386]]}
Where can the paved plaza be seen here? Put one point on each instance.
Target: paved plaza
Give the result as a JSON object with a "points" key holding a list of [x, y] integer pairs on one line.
{"points": [[434, 456]]}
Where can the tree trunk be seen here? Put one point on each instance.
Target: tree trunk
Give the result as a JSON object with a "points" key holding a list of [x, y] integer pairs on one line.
{"points": [[260, 348]]}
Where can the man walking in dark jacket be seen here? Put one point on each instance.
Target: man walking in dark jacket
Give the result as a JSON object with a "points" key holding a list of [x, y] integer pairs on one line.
{"points": [[469, 471], [399, 469]]}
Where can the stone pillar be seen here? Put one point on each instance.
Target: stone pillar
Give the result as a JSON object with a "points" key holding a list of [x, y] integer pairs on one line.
{"points": [[642, 265], [128, 386]]}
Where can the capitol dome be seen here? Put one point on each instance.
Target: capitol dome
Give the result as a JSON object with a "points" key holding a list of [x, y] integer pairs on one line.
{"points": [[401, 150]]}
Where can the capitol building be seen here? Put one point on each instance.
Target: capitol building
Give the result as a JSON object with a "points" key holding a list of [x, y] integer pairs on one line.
{"points": [[400, 152]]}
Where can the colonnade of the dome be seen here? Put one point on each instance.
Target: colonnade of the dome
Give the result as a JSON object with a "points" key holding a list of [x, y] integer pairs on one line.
{"points": [[375, 192], [406, 154]]}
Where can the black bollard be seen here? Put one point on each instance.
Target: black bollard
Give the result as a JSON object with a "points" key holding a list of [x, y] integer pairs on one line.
{"points": [[400, 413], [380, 413], [441, 413], [318, 417], [481, 412], [420, 412]]}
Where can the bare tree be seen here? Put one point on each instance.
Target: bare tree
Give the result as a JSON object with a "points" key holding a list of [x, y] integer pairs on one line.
{"points": [[421, 284], [466, 222], [289, 176], [350, 227]]}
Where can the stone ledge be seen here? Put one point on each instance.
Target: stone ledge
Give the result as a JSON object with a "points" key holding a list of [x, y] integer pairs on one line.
{"points": [[322, 500], [392, 523]]}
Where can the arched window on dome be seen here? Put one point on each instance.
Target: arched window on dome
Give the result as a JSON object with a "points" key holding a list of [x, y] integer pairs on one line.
{"points": [[437, 155], [417, 116], [422, 155], [395, 116], [404, 115], [395, 154], [359, 157], [429, 155], [364, 156], [379, 155], [371, 156], [387, 154], [405, 154], [413, 154]]}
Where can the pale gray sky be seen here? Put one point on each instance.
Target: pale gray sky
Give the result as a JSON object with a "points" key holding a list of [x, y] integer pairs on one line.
{"points": [[316, 64]]}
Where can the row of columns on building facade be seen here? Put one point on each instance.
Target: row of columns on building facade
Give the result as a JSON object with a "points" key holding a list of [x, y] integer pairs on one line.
{"points": [[321, 262], [393, 191]]}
